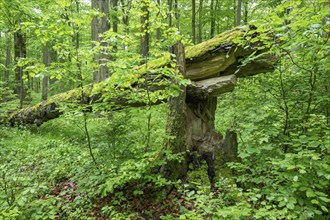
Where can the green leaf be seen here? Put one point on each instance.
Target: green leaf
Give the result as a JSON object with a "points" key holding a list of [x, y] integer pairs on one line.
{"points": [[324, 199], [310, 193], [324, 209], [314, 201]]}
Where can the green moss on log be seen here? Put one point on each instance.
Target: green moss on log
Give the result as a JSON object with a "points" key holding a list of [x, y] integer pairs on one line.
{"points": [[209, 45]]}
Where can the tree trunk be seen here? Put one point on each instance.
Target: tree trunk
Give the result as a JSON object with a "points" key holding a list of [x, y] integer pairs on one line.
{"points": [[200, 22], [125, 14], [177, 124], [212, 26], [169, 15], [239, 13], [7, 64], [234, 13], [99, 26], [115, 16], [45, 58], [20, 52], [144, 39], [176, 14], [246, 12], [158, 29], [193, 21]]}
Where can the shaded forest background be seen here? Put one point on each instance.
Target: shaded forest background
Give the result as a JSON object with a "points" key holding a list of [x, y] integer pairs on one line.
{"points": [[105, 164]]}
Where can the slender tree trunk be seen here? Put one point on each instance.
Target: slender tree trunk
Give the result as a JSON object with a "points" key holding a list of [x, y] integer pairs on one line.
{"points": [[8, 60], [239, 13], [246, 12], [99, 26], [158, 29], [144, 39], [169, 15], [234, 13], [218, 7], [125, 14], [114, 17], [176, 14], [200, 22], [212, 26], [20, 52], [193, 21], [45, 58], [7, 68], [125, 8]]}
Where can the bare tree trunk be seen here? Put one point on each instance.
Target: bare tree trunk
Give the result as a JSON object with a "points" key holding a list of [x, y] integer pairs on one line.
{"points": [[200, 22], [239, 13], [158, 29], [169, 15], [45, 58], [125, 14], [246, 12], [193, 21], [234, 13], [145, 36], [176, 14], [212, 27], [20, 52], [99, 26], [114, 17], [8, 60]]}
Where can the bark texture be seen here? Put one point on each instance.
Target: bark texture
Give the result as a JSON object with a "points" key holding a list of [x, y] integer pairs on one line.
{"points": [[100, 24], [177, 124], [212, 66], [20, 52]]}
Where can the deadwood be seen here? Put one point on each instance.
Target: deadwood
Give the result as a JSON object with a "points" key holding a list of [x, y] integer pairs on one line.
{"points": [[212, 67]]}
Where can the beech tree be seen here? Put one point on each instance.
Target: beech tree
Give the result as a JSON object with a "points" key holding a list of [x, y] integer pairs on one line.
{"points": [[100, 25]]}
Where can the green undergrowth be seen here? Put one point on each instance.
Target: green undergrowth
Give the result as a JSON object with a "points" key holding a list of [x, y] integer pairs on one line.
{"points": [[47, 172]]}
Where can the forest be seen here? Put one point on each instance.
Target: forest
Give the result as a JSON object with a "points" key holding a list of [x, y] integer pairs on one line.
{"points": [[154, 109]]}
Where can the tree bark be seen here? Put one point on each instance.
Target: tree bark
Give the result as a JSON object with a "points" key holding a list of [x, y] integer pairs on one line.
{"points": [[7, 64], [176, 14], [125, 14], [170, 10], [239, 12], [115, 16], [246, 12], [45, 57], [212, 26], [20, 52], [99, 26], [200, 21], [158, 29], [193, 21], [177, 124], [144, 29]]}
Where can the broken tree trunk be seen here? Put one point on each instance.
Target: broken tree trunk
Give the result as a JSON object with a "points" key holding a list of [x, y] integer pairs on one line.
{"points": [[177, 124], [212, 66]]}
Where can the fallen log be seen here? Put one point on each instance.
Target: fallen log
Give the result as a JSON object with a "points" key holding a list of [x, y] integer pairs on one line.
{"points": [[210, 66]]}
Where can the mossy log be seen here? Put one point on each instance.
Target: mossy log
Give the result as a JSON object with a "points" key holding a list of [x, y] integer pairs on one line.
{"points": [[212, 67]]}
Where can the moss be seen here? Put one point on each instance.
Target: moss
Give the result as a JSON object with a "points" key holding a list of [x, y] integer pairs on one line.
{"points": [[154, 64], [221, 39]]}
